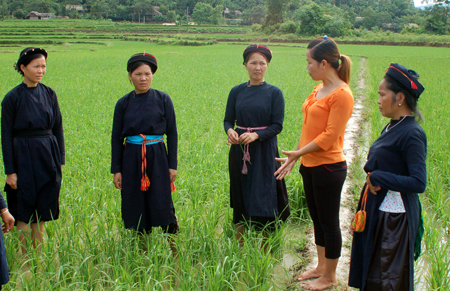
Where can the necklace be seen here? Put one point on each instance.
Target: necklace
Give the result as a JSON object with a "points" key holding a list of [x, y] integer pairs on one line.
{"points": [[388, 126]]}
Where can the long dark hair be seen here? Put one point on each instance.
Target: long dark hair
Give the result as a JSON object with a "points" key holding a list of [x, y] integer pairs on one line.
{"points": [[411, 101], [324, 48]]}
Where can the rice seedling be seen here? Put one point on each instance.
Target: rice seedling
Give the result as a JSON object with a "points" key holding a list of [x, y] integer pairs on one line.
{"points": [[88, 247]]}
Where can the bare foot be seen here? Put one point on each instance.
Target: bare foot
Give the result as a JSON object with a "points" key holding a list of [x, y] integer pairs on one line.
{"points": [[320, 284], [314, 273]]}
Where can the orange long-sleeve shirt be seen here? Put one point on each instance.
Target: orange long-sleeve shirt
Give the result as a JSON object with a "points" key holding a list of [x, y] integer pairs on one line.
{"points": [[324, 121]]}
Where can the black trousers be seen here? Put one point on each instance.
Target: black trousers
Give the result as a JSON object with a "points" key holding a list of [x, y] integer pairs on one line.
{"points": [[323, 187]]}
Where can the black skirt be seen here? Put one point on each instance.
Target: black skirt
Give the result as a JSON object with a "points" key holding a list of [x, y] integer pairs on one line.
{"points": [[389, 264], [240, 214], [37, 162], [142, 210]]}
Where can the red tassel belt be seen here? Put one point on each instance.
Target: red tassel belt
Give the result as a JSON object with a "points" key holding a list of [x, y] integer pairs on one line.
{"points": [[246, 157], [145, 181]]}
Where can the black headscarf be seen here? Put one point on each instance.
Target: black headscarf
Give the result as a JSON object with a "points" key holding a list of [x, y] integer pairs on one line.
{"points": [[406, 78], [256, 48], [143, 57], [27, 55]]}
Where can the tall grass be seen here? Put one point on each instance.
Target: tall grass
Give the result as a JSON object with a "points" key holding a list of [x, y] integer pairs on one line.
{"points": [[88, 248]]}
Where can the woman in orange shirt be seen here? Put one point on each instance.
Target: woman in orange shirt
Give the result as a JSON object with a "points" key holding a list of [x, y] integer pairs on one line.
{"points": [[323, 166]]}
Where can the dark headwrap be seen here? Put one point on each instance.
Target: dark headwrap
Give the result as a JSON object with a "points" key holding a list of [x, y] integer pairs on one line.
{"points": [[406, 78], [143, 57], [27, 55], [256, 48]]}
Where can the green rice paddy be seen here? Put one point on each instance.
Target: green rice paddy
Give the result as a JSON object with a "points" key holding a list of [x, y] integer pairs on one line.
{"points": [[88, 247]]}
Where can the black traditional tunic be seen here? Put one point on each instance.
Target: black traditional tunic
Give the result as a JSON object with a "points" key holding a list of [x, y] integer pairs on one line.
{"points": [[257, 106], [396, 161], [33, 148], [4, 271], [149, 113]]}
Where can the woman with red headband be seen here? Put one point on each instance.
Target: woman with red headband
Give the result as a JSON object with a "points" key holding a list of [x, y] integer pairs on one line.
{"points": [[33, 147], [384, 250], [257, 110], [143, 169], [326, 112]]}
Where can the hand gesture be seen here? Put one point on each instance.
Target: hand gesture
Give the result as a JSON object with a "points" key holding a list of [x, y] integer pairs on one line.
{"points": [[288, 164]]}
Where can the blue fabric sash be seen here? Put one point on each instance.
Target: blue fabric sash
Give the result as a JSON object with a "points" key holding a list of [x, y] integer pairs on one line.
{"points": [[136, 139]]}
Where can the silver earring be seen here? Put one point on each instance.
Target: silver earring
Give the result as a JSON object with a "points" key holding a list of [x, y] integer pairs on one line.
{"points": [[399, 105]]}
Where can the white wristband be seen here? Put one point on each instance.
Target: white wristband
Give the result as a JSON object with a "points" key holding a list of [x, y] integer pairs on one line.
{"points": [[4, 211]]}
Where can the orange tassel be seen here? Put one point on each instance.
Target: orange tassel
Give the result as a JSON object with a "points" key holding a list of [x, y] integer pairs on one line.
{"points": [[359, 221], [145, 183], [172, 187]]}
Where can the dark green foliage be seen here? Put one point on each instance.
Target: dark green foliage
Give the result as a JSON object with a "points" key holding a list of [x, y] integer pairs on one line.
{"points": [[438, 18], [255, 15], [288, 27], [275, 10], [320, 20], [310, 17], [205, 13]]}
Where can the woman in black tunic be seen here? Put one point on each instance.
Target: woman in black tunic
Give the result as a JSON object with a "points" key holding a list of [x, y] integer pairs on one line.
{"points": [[257, 110], [383, 253], [33, 147], [143, 170]]}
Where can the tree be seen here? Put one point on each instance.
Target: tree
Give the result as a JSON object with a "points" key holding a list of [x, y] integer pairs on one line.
{"points": [[4, 8], [171, 16], [98, 8], [15, 5], [320, 20], [181, 6], [245, 4], [202, 13], [19, 13], [438, 18], [369, 18], [123, 12], [358, 6], [144, 7], [312, 18], [337, 26], [275, 10], [325, 2], [163, 9], [216, 15], [255, 15]]}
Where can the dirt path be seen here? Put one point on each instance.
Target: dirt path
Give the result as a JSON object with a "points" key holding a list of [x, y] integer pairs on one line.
{"points": [[352, 133]]}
